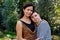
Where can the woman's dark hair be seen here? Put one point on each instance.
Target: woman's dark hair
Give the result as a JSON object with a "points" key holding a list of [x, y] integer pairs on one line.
{"points": [[25, 5], [36, 11]]}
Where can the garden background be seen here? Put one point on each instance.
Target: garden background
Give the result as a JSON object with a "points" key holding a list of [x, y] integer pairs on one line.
{"points": [[10, 11]]}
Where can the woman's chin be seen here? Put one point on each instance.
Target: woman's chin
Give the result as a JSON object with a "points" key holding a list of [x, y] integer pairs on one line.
{"points": [[28, 16]]}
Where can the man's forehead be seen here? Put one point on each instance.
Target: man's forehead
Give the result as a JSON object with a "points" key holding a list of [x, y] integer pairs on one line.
{"points": [[34, 14]]}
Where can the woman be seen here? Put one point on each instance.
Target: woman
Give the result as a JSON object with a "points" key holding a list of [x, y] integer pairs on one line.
{"points": [[25, 28]]}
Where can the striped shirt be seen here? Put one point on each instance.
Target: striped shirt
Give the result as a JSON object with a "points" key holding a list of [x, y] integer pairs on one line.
{"points": [[44, 31]]}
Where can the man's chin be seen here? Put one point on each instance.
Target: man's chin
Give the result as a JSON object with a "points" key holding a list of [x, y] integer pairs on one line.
{"points": [[35, 21]]}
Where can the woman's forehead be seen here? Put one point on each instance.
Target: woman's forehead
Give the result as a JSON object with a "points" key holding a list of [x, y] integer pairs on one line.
{"points": [[29, 7]]}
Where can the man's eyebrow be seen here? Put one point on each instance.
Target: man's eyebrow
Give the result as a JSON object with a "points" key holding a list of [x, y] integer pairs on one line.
{"points": [[31, 16]]}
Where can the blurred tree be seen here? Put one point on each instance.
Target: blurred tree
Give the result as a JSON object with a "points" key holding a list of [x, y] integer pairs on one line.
{"points": [[10, 16], [46, 10], [2, 28], [0, 15], [0, 2], [50, 11], [57, 17]]}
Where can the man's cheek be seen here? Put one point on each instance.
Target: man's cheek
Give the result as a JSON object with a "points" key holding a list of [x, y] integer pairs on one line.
{"points": [[32, 19], [37, 19]]}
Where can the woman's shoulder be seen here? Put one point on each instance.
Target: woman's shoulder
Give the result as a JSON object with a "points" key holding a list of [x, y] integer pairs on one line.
{"points": [[19, 22]]}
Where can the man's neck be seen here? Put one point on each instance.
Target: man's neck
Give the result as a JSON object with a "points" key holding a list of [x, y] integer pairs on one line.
{"points": [[39, 22]]}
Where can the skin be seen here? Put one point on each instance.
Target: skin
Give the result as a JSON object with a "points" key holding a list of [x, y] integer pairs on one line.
{"points": [[36, 18], [27, 13]]}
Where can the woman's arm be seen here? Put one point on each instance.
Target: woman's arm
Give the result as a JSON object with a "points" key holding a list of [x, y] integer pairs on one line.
{"points": [[19, 30]]}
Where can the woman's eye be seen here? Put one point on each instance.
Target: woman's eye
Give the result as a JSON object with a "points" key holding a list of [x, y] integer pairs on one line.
{"points": [[29, 10]]}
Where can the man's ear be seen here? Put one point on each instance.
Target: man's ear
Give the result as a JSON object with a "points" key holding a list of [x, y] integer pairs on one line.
{"points": [[39, 14]]}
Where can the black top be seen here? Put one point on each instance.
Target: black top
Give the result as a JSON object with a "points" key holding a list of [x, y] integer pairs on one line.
{"points": [[30, 26]]}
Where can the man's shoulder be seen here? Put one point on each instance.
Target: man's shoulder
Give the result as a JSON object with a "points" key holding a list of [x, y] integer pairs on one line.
{"points": [[44, 21], [46, 24]]}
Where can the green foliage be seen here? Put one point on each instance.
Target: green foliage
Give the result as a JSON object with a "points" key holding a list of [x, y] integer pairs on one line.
{"points": [[0, 2], [10, 16], [48, 9], [45, 8], [57, 17], [1, 17]]}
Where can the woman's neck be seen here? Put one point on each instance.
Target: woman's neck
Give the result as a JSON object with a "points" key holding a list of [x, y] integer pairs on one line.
{"points": [[26, 19]]}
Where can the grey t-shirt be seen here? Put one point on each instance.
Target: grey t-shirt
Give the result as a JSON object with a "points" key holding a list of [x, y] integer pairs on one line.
{"points": [[44, 31]]}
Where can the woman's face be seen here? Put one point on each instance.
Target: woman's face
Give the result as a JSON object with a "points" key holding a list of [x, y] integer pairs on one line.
{"points": [[28, 11]]}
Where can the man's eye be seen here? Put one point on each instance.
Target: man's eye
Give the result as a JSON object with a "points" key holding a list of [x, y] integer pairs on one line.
{"points": [[35, 15], [28, 9]]}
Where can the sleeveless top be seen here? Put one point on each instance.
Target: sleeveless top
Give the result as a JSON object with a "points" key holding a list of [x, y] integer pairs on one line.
{"points": [[28, 32], [30, 26]]}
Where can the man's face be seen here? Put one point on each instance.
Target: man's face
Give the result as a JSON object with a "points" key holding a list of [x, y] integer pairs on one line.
{"points": [[35, 17]]}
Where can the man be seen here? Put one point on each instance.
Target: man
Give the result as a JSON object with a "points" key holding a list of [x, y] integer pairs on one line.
{"points": [[43, 28]]}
